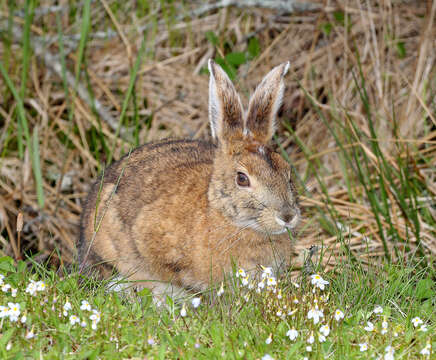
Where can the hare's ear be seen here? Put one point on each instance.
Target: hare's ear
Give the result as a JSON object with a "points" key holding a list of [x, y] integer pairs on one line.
{"points": [[225, 108], [264, 105]]}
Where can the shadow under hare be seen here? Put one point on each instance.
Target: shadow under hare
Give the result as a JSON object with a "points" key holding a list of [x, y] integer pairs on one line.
{"points": [[175, 215]]}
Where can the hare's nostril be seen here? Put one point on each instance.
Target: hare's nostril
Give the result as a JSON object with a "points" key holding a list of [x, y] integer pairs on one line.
{"points": [[287, 218]]}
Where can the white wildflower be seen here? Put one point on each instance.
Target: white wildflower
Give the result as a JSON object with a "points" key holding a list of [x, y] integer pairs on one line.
{"points": [[183, 311], [292, 334], [6, 287], [389, 353], [426, 349], [363, 347], [14, 292], [85, 305], [321, 338], [221, 290], [416, 321], [378, 310], [269, 339], [30, 335], [74, 319], [4, 311], [315, 314], [196, 302], [23, 319], [267, 357], [271, 281], [325, 330], [40, 286], [241, 273], [31, 288], [423, 328], [266, 272], [369, 326], [339, 315], [95, 317], [384, 327], [244, 281], [318, 281], [14, 311], [311, 339], [309, 348], [67, 307]]}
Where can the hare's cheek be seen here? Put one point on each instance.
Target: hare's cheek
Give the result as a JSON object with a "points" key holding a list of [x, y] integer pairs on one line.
{"points": [[268, 222]]}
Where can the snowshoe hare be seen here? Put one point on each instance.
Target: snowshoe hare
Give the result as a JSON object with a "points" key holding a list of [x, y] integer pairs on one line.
{"points": [[175, 215]]}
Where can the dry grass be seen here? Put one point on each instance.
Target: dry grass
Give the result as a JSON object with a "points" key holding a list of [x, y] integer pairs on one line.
{"points": [[395, 42]]}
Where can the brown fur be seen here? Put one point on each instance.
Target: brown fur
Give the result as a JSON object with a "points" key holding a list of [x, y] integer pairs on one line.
{"points": [[171, 211]]}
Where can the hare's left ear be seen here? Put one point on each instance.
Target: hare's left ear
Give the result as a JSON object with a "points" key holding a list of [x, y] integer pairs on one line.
{"points": [[225, 108], [264, 105]]}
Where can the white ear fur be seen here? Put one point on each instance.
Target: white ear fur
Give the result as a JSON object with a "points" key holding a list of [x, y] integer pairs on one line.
{"points": [[214, 104]]}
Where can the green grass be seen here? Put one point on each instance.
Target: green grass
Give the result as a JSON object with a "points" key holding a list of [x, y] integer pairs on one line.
{"points": [[235, 325]]}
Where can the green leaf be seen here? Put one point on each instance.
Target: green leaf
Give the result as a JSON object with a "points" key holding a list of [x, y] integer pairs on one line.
{"points": [[213, 39], [339, 17], [401, 49], [227, 67], [253, 47], [326, 28], [21, 266], [236, 58], [7, 264]]}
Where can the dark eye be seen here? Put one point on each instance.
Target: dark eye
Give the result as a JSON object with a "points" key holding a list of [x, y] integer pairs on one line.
{"points": [[242, 179]]}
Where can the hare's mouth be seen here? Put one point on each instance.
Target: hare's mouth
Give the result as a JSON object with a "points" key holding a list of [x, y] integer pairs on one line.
{"points": [[288, 225]]}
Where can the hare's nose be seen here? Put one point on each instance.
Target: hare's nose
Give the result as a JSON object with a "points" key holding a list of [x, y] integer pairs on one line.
{"points": [[290, 217], [287, 218]]}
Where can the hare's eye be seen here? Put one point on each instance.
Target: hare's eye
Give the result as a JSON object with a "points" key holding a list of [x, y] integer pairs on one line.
{"points": [[242, 179]]}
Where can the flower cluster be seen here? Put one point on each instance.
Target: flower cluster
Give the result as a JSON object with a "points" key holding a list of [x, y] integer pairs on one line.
{"points": [[95, 316], [35, 286], [6, 287], [12, 311], [18, 312]]}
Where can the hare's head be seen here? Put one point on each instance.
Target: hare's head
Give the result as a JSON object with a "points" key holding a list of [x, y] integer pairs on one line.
{"points": [[251, 183]]}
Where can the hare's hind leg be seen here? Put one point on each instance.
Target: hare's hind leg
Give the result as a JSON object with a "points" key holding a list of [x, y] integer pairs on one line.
{"points": [[141, 279]]}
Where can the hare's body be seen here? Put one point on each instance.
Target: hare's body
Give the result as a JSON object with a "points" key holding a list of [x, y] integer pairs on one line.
{"points": [[181, 212]]}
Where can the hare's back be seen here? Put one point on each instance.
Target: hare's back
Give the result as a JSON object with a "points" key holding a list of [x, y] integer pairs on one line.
{"points": [[158, 170]]}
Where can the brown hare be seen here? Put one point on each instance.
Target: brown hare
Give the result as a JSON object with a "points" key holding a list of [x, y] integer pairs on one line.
{"points": [[175, 215]]}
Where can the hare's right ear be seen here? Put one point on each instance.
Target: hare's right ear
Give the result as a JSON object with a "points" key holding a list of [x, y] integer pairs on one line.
{"points": [[264, 105], [225, 108]]}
